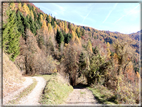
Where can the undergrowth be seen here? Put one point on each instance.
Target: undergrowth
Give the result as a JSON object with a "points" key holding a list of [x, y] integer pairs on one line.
{"points": [[103, 95]]}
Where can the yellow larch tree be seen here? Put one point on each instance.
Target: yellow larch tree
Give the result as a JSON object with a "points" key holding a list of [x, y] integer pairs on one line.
{"points": [[44, 26], [44, 16], [115, 60], [89, 47], [19, 6], [78, 30], [75, 27], [49, 18], [138, 75], [65, 28], [71, 26], [66, 44], [34, 8], [73, 35], [41, 18], [49, 27], [78, 40], [44, 31], [108, 50], [58, 28], [12, 6], [61, 24], [26, 9], [65, 23], [32, 15]]}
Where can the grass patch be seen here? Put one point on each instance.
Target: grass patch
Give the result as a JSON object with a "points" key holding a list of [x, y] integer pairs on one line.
{"points": [[24, 93], [103, 95], [46, 77], [56, 90], [82, 92]]}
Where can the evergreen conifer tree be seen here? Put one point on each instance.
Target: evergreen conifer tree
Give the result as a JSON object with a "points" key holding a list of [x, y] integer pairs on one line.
{"points": [[19, 23], [11, 36], [59, 37], [32, 26]]}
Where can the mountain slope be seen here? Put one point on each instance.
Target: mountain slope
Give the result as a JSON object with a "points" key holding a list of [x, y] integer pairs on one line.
{"points": [[46, 45]]}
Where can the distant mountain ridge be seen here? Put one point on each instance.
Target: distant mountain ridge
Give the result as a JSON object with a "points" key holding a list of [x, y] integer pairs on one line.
{"points": [[136, 35]]}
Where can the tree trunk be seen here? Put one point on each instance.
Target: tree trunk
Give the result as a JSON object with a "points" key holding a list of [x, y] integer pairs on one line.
{"points": [[26, 65], [72, 79]]}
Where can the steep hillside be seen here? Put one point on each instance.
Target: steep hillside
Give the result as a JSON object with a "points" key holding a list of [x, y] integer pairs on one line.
{"points": [[12, 77], [136, 35], [111, 37]]}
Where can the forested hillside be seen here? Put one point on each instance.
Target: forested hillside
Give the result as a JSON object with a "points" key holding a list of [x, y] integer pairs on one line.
{"points": [[40, 44]]}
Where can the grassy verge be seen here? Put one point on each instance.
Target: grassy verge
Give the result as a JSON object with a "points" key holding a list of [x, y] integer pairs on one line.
{"points": [[46, 77], [24, 93], [56, 91], [103, 95]]}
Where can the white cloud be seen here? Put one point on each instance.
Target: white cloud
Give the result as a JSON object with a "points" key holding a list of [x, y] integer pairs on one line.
{"points": [[129, 12], [110, 12], [49, 10], [61, 9], [87, 15]]}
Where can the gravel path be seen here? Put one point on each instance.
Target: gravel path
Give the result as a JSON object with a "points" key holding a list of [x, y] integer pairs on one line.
{"points": [[10, 96], [33, 97], [81, 96]]}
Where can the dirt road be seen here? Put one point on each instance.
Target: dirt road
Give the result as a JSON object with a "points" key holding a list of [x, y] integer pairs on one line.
{"points": [[81, 96], [33, 97]]}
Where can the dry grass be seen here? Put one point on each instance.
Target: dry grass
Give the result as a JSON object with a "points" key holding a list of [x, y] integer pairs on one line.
{"points": [[12, 78]]}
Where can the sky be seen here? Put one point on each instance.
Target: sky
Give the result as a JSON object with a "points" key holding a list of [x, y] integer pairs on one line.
{"points": [[120, 17]]}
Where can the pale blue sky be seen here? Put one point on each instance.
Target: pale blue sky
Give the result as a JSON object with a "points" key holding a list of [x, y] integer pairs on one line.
{"points": [[121, 17]]}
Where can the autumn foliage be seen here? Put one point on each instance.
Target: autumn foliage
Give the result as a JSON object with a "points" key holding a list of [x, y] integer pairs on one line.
{"points": [[44, 44]]}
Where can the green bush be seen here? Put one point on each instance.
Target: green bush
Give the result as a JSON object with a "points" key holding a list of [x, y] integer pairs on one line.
{"points": [[94, 74]]}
